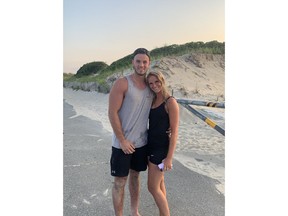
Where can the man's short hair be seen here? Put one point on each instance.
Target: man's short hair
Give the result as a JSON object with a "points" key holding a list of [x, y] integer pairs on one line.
{"points": [[141, 51]]}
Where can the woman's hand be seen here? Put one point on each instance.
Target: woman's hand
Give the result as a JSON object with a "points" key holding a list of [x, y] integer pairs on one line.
{"points": [[167, 164]]}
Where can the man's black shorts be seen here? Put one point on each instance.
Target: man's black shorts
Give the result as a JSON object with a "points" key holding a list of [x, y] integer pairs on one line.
{"points": [[120, 162]]}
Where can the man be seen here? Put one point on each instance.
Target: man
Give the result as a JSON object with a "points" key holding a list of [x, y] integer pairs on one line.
{"points": [[129, 105]]}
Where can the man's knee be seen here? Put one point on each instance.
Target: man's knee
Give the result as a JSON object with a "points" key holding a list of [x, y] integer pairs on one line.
{"points": [[119, 182], [134, 174]]}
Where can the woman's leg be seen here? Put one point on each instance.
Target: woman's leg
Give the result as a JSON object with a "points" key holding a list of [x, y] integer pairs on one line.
{"points": [[162, 187], [156, 187]]}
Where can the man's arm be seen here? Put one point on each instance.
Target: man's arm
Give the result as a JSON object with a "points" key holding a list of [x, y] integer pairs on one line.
{"points": [[116, 98]]}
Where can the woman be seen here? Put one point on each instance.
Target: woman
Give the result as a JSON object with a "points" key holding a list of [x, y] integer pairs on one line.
{"points": [[164, 114]]}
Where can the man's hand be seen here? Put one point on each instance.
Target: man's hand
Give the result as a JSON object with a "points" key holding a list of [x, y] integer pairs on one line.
{"points": [[127, 147], [168, 132]]}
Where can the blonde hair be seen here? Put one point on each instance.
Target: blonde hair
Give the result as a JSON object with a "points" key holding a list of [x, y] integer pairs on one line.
{"points": [[161, 78]]}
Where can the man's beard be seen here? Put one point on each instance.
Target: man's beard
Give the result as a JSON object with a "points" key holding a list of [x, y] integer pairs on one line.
{"points": [[140, 74]]}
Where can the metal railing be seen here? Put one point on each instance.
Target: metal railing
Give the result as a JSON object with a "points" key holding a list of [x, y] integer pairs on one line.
{"points": [[186, 103]]}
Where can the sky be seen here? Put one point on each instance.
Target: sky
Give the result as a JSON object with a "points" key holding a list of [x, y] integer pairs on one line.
{"points": [[106, 31], [34, 38]]}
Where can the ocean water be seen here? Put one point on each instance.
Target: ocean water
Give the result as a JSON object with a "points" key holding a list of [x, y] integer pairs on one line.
{"points": [[199, 147]]}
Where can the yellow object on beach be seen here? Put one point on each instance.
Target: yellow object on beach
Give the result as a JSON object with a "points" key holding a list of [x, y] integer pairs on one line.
{"points": [[209, 122]]}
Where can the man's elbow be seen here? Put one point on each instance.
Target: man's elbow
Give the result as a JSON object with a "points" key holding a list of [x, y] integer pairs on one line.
{"points": [[111, 114]]}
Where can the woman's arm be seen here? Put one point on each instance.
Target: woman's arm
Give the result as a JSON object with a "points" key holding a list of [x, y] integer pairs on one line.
{"points": [[173, 112]]}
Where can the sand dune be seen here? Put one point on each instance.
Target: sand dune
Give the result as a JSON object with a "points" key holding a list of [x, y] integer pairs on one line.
{"points": [[192, 75], [197, 76]]}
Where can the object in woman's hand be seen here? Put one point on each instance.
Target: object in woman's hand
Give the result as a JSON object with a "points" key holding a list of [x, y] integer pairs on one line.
{"points": [[161, 166]]}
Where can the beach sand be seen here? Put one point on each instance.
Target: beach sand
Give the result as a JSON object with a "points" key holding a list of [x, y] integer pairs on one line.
{"points": [[87, 179], [200, 147]]}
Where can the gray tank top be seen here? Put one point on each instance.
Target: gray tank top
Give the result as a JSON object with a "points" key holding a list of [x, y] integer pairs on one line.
{"points": [[134, 115]]}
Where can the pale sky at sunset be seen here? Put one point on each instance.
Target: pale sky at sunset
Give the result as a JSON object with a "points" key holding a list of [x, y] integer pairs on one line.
{"points": [[106, 31]]}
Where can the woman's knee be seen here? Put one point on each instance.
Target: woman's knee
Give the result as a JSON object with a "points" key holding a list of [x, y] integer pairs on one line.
{"points": [[153, 187]]}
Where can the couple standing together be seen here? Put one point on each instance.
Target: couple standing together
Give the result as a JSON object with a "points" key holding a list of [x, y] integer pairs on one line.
{"points": [[138, 102]]}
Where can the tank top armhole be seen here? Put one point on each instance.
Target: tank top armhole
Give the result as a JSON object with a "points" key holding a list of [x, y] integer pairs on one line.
{"points": [[127, 80], [129, 83], [166, 106], [168, 98]]}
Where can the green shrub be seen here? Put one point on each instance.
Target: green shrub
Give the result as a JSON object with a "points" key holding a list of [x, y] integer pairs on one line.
{"points": [[91, 68]]}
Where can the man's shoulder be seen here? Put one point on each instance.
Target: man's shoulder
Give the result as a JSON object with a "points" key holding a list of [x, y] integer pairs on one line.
{"points": [[121, 84], [120, 81]]}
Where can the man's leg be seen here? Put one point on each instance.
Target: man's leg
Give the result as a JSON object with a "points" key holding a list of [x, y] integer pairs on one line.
{"points": [[134, 188], [118, 190]]}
